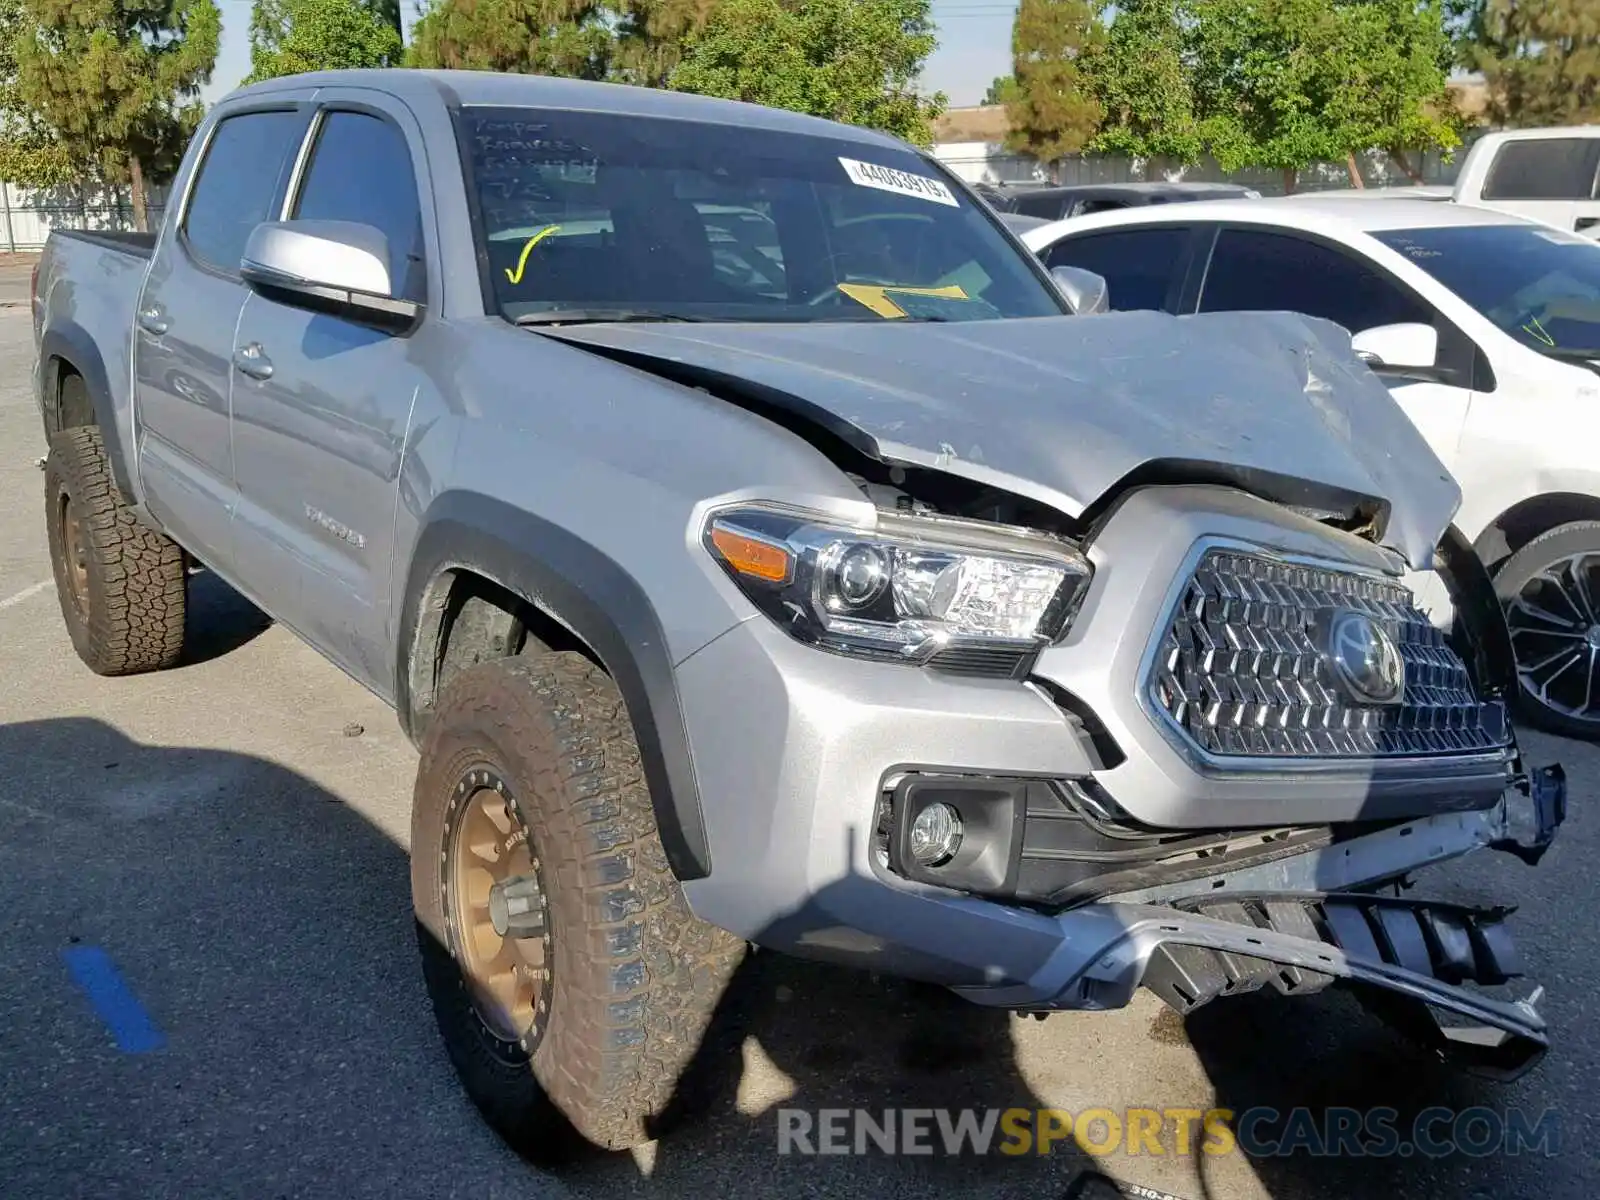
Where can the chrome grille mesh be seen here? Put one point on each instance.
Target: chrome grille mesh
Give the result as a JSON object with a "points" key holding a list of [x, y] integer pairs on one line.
{"points": [[1240, 669]]}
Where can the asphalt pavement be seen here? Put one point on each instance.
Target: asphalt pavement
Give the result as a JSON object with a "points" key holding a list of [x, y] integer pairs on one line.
{"points": [[15, 270], [210, 982]]}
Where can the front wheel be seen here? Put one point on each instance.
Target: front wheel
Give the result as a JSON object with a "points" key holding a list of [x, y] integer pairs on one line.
{"points": [[570, 981], [1550, 589]]}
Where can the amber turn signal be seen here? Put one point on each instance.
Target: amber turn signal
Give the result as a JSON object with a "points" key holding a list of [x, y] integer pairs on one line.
{"points": [[752, 556]]}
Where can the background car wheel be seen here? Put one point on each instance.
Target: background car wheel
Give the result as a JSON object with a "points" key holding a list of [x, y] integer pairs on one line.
{"points": [[570, 981], [122, 586], [1551, 592]]}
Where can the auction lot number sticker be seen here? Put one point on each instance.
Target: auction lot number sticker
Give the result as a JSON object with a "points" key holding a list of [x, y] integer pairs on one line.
{"points": [[903, 183]]}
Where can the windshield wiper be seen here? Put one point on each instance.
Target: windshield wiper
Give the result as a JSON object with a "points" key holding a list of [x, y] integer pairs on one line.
{"points": [[597, 316]]}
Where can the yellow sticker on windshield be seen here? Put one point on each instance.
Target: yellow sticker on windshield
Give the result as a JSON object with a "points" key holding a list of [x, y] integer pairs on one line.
{"points": [[527, 248], [876, 296]]}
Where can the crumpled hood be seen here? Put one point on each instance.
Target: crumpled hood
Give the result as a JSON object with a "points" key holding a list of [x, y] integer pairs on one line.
{"points": [[1062, 409]]}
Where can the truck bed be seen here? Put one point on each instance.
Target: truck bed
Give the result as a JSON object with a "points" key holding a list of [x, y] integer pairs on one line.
{"points": [[88, 288], [140, 245]]}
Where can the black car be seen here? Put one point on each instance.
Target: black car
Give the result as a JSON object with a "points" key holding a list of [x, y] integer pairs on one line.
{"points": [[1058, 203]]}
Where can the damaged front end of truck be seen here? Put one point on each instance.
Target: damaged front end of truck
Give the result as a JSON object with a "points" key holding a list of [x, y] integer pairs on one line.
{"points": [[1269, 737]]}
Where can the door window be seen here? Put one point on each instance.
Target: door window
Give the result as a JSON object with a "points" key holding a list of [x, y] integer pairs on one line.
{"points": [[237, 187], [1138, 264], [361, 171], [1255, 271]]}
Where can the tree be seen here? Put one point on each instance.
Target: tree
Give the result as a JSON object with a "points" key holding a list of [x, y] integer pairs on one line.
{"points": [[541, 37], [1288, 83], [1393, 94], [849, 60], [290, 36], [29, 153], [1142, 82], [1052, 107], [116, 82], [997, 90], [650, 37], [1541, 61]]}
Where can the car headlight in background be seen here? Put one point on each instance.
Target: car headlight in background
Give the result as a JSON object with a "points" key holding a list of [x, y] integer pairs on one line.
{"points": [[958, 595]]}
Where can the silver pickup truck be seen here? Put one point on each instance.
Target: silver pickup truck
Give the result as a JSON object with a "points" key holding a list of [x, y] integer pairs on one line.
{"points": [[760, 549]]}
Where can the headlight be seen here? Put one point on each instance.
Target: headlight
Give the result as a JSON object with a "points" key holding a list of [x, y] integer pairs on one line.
{"points": [[957, 594]]}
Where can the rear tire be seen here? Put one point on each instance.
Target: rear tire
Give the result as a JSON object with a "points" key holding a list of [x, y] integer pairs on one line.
{"points": [[122, 586], [1550, 590], [625, 980]]}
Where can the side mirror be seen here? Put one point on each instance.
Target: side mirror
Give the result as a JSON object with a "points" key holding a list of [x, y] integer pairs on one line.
{"points": [[338, 267], [1087, 292], [1410, 347]]}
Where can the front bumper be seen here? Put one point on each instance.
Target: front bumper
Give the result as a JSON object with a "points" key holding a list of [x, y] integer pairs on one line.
{"points": [[796, 748]]}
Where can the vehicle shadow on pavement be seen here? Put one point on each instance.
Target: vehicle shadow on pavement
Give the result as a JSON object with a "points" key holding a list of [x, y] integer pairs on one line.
{"points": [[219, 620], [1308, 1063], [841, 1039], [263, 930]]}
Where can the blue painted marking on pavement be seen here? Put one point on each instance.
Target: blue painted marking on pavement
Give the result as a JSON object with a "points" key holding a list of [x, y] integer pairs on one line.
{"points": [[119, 1008]]}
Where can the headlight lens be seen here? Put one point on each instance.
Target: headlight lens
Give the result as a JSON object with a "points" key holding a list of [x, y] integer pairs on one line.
{"points": [[911, 588]]}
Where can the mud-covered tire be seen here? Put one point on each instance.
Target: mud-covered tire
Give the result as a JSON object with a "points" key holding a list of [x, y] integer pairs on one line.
{"points": [[1520, 575], [122, 586], [634, 977]]}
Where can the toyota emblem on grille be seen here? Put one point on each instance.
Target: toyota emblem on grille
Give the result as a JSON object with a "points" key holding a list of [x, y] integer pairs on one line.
{"points": [[1364, 658]]}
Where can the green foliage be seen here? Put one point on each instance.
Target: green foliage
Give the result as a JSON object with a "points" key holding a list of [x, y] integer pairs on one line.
{"points": [[1143, 84], [1287, 83], [29, 154], [849, 60], [1051, 102], [542, 37], [116, 82], [1396, 61], [997, 90], [1541, 60], [650, 37], [290, 36]]}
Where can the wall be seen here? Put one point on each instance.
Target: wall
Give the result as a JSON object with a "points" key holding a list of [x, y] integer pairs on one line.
{"points": [[27, 216], [990, 162]]}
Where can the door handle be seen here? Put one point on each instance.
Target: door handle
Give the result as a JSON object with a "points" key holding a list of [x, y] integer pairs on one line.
{"points": [[154, 320], [1586, 223], [253, 361]]}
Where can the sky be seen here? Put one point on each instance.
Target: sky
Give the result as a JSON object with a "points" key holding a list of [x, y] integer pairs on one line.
{"points": [[974, 47]]}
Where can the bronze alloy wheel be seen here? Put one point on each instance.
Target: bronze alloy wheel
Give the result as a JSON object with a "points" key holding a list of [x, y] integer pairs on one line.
{"points": [[75, 550], [494, 905]]}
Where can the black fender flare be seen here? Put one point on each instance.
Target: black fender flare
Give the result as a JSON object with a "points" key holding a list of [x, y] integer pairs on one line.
{"points": [[70, 345], [582, 588]]}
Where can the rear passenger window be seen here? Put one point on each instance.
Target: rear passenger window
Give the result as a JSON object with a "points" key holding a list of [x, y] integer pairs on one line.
{"points": [[1545, 169], [1138, 264], [1046, 206], [1252, 271], [361, 171], [237, 187]]}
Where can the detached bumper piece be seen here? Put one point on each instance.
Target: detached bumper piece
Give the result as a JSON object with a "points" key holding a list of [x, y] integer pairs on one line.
{"points": [[1408, 960]]}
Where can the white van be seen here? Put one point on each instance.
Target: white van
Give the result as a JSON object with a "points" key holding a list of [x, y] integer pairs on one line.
{"points": [[1548, 175]]}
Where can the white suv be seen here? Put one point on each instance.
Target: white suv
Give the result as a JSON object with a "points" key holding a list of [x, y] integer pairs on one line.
{"points": [[1486, 327]]}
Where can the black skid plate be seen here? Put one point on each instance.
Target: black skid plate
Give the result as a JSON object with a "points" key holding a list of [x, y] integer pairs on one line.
{"points": [[1408, 960]]}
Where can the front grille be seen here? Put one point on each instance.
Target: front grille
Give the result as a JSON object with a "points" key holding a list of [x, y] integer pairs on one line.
{"points": [[1242, 672]]}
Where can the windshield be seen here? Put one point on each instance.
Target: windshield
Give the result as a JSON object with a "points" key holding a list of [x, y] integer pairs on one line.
{"points": [[1542, 286], [648, 217]]}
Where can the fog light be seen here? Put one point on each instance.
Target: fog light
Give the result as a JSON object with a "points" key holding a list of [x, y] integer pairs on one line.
{"points": [[935, 835]]}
